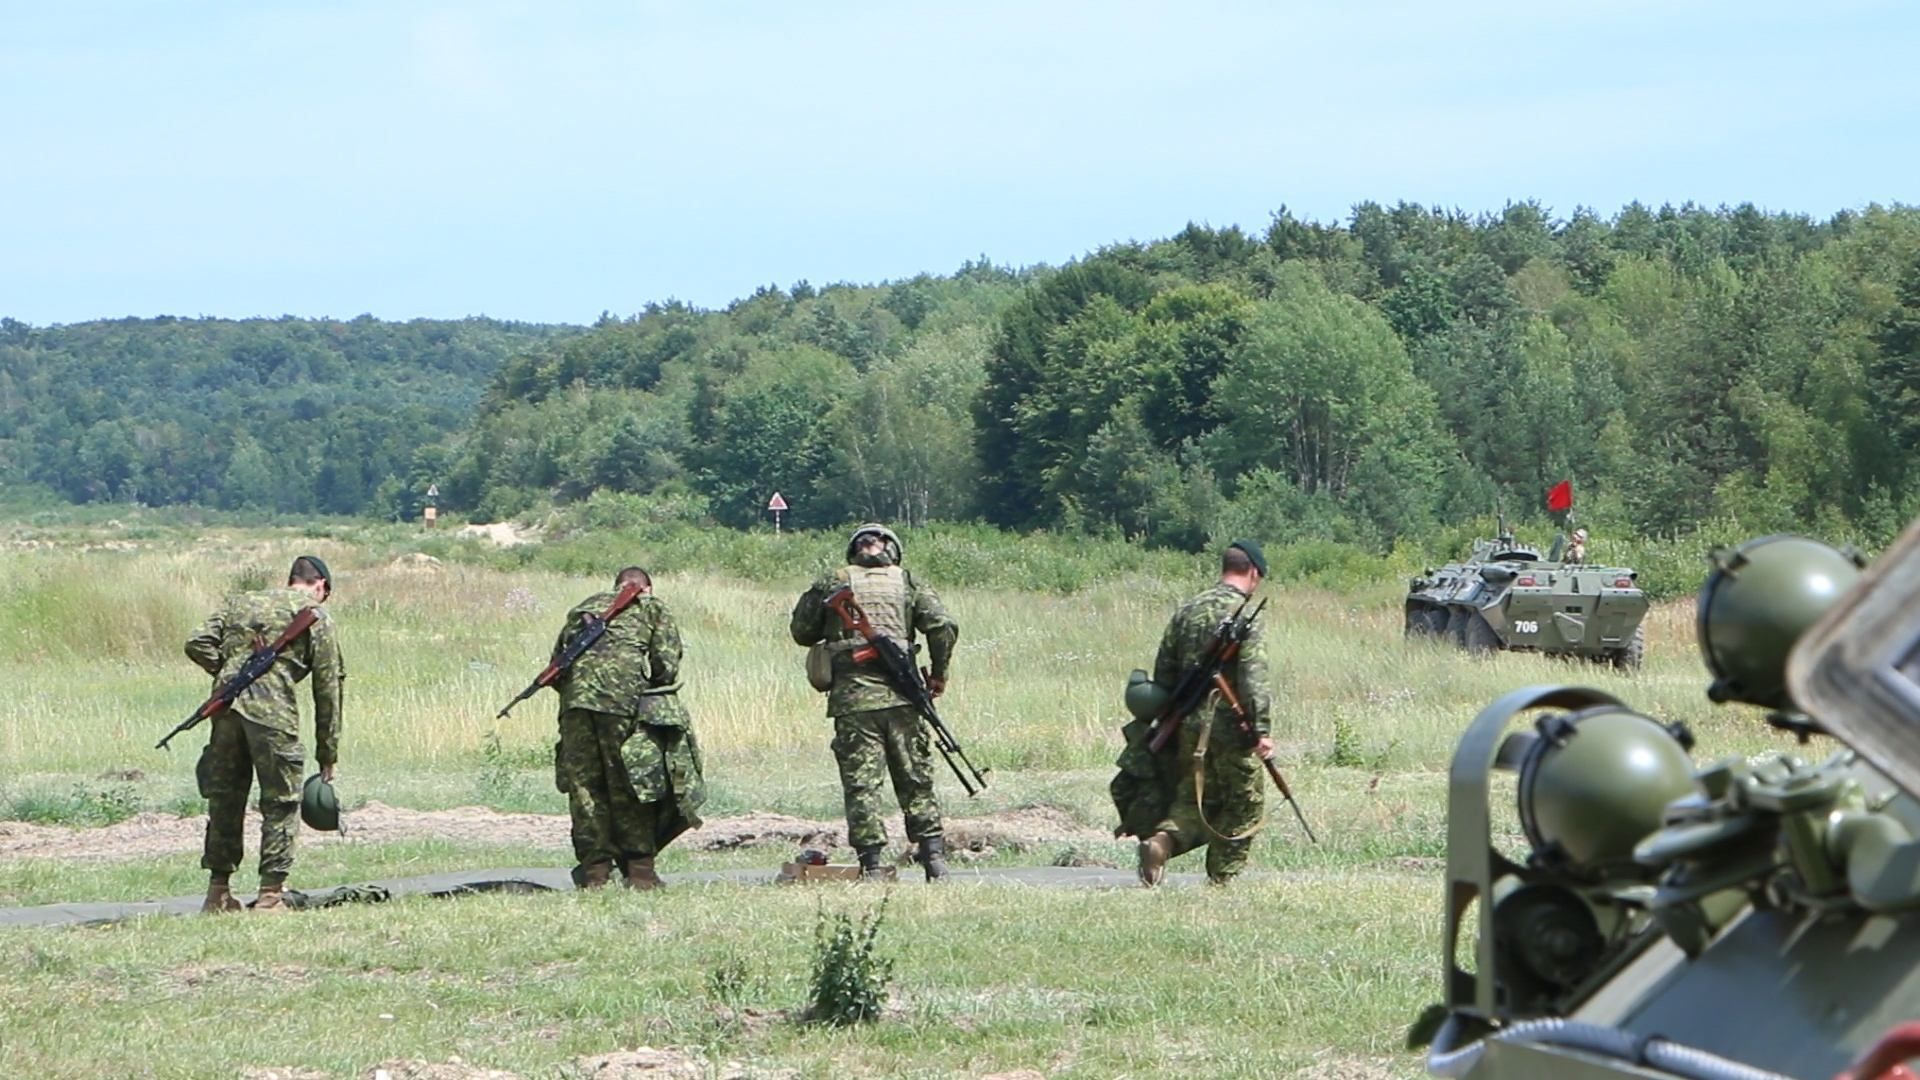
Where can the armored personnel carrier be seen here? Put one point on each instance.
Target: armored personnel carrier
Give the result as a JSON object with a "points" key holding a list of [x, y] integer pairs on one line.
{"points": [[1505, 596], [1734, 919]]}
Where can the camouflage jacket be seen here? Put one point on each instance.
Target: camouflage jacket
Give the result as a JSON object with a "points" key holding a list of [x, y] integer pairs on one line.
{"points": [[864, 687], [247, 621], [640, 650], [1186, 637]]}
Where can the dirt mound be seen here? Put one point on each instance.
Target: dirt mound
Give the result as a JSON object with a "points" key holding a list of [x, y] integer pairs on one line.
{"points": [[150, 835], [751, 830], [1019, 829], [646, 1063]]}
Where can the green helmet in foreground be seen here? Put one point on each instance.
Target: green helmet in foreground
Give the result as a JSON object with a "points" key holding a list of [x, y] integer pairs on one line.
{"points": [[1757, 601], [1145, 698], [319, 806], [1597, 782]]}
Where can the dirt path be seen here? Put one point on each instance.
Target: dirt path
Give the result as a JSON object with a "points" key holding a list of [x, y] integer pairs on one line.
{"points": [[152, 835]]}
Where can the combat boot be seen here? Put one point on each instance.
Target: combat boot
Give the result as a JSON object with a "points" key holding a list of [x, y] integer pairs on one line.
{"points": [[870, 868], [640, 874], [933, 857], [1154, 852], [595, 875], [270, 899], [220, 896]]}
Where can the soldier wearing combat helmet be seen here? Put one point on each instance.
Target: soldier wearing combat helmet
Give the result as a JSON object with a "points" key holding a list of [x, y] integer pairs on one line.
{"points": [[877, 733], [258, 735]]}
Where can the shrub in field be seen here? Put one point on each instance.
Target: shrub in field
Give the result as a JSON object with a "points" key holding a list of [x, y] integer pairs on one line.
{"points": [[848, 984], [82, 805]]}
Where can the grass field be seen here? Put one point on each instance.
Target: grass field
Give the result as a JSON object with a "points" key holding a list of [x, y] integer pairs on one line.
{"points": [[1313, 967]]}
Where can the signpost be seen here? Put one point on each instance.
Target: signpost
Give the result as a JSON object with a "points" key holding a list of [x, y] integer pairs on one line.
{"points": [[431, 512], [779, 506]]}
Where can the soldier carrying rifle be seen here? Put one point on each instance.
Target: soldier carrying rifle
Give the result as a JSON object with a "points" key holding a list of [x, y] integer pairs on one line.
{"points": [[878, 730], [256, 647], [1190, 775]]}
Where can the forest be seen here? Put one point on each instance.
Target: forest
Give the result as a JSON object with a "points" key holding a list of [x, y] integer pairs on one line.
{"points": [[1359, 381]]}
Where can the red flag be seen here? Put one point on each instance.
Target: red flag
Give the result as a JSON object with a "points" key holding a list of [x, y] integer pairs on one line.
{"points": [[1560, 496]]}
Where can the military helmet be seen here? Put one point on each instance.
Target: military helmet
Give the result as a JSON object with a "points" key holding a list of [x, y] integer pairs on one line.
{"points": [[873, 528], [1145, 698], [319, 806], [1757, 601], [1596, 782]]}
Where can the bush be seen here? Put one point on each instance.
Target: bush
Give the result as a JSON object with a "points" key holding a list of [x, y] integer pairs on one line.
{"points": [[849, 982]]}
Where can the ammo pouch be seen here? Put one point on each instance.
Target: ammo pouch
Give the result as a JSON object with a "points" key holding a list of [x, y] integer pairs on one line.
{"points": [[820, 661]]}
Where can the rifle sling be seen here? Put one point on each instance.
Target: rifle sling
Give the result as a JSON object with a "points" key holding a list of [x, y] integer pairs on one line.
{"points": [[1204, 715]]}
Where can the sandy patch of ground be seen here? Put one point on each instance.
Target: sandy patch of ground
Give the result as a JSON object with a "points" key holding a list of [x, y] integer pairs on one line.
{"points": [[1336, 1067], [504, 533], [151, 835], [644, 1063], [451, 1069], [647, 1063], [416, 562]]}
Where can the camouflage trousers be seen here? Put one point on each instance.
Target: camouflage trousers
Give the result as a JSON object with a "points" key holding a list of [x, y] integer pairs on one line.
{"points": [[624, 782], [1234, 800], [239, 752], [872, 747]]}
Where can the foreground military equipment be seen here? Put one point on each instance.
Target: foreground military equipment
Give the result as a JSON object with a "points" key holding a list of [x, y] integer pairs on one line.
{"points": [[1747, 919], [1505, 596]]}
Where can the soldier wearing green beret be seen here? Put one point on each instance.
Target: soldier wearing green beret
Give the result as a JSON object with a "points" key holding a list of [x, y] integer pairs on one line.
{"points": [[627, 759], [1217, 802], [258, 735]]}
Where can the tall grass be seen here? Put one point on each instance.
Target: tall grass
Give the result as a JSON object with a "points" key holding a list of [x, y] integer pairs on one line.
{"points": [[89, 648]]}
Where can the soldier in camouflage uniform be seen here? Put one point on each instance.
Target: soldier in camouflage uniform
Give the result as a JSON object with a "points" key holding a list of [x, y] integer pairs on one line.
{"points": [[627, 759], [877, 734], [1228, 815], [258, 736]]}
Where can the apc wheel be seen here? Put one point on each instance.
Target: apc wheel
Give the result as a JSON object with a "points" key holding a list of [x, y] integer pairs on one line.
{"points": [[1426, 621], [1455, 630], [1629, 658], [1477, 636]]}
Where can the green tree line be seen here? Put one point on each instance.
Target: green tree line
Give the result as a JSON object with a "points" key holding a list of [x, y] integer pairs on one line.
{"points": [[287, 415], [1362, 381]]}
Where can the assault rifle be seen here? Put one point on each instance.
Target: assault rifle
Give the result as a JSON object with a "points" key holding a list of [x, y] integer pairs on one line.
{"points": [[250, 672], [1208, 677], [588, 636], [896, 664]]}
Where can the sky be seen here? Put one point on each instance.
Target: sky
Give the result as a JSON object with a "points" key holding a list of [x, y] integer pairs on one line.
{"points": [[550, 162]]}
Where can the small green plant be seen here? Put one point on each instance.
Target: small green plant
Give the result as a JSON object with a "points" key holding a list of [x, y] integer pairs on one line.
{"points": [[497, 779], [253, 578], [732, 987], [849, 981], [1346, 752]]}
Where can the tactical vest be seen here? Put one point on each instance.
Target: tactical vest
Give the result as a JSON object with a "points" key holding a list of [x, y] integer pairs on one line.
{"points": [[882, 592]]}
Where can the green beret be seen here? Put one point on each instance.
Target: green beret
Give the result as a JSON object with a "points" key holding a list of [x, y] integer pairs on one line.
{"points": [[319, 567], [1254, 554]]}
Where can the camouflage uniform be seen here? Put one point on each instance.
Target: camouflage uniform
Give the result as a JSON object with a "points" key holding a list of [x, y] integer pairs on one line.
{"points": [[877, 733], [1235, 778], [627, 762], [259, 735]]}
